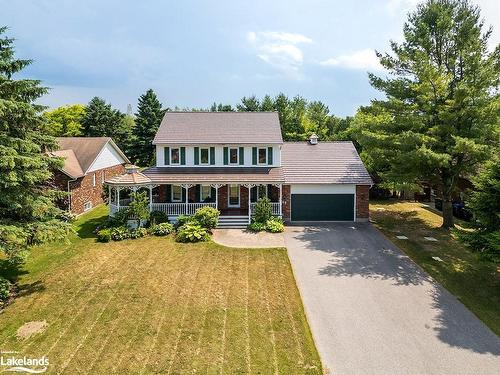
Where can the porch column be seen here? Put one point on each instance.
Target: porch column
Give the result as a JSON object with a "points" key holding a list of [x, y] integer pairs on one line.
{"points": [[150, 198], [281, 201], [187, 198], [249, 187], [118, 197]]}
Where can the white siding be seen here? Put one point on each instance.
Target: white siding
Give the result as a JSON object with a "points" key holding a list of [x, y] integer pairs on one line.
{"points": [[108, 157], [219, 155], [323, 189]]}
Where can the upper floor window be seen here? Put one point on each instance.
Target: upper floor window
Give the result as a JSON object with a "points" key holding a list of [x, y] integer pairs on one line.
{"points": [[204, 156], [233, 156], [262, 156], [175, 156]]}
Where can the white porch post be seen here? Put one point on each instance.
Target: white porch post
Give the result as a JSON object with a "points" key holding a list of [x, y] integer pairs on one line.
{"points": [[216, 197], [249, 188], [118, 197], [187, 198], [281, 201], [150, 198]]}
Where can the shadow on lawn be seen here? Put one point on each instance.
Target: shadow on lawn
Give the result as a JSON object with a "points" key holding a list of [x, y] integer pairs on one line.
{"points": [[361, 250], [86, 228], [12, 272]]}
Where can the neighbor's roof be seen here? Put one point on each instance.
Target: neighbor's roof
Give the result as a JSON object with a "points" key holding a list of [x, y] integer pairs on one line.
{"points": [[220, 128], [136, 178], [80, 153], [323, 163], [162, 175]]}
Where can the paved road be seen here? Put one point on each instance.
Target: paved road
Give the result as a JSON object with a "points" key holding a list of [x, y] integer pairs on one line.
{"points": [[373, 311]]}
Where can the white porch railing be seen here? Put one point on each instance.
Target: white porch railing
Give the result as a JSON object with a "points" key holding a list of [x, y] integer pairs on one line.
{"points": [[171, 209], [192, 207], [275, 208]]}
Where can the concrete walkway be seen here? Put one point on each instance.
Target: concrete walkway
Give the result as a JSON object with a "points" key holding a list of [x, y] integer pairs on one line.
{"points": [[373, 311], [245, 239]]}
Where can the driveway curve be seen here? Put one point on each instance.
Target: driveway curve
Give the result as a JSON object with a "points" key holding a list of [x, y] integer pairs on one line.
{"points": [[373, 311]]}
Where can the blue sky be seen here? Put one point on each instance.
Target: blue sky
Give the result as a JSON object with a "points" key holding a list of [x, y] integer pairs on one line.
{"points": [[193, 53]]}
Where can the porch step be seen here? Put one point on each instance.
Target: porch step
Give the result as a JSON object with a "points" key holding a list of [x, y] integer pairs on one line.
{"points": [[235, 221]]}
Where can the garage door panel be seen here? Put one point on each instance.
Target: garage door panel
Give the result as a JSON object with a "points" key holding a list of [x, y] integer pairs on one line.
{"points": [[322, 207]]}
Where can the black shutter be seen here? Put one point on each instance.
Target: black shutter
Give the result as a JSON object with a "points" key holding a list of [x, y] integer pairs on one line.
{"points": [[169, 193], [269, 155], [226, 156], [253, 194], [212, 155], [269, 191], [254, 155], [198, 195], [183, 195], [242, 156], [196, 155], [183, 155], [213, 193], [166, 156]]}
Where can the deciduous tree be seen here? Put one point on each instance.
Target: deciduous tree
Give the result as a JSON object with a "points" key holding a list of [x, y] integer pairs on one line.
{"points": [[65, 121]]}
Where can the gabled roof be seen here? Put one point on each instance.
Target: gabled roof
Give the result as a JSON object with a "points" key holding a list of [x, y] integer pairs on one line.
{"points": [[219, 128], [323, 163], [81, 152]]}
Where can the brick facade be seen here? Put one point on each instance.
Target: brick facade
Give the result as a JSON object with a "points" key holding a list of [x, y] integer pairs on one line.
{"points": [[83, 190], [286, 201], [362, 203]]}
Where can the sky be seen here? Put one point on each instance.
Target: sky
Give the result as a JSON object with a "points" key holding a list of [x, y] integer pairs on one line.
{"points": [[194, 53]]}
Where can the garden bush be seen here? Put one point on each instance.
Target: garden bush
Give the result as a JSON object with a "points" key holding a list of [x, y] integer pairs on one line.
{"points": [[104, 235], [120, 233], [275, 225], [208, 217], [192, 232], [255, 226], [157, 217], [263, 210], [4, 289], [162, 229], [184, 219], [138, 233]]}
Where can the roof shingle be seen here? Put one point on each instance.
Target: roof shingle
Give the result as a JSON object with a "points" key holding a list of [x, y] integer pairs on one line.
{"points": [[219, 128], [161, 175]]}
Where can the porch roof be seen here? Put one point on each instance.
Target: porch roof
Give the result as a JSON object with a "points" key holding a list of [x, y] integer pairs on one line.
{"points": [[129, 179], [161, 175]]}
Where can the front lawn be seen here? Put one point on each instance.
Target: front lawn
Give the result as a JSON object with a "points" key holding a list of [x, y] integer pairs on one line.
{"points": [[152, 305], [475, 282]]}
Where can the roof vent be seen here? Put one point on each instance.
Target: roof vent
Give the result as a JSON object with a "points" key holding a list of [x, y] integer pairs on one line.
{"points": [[313, 139], [131, 169]]}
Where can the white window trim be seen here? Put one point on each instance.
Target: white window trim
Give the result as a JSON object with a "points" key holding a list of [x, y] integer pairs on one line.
{"points": [[93, 179], [103, 176], [171, 152], [89, 204], [172, 194], [237, 155], [229, 196], [258, 158], [208, 153], [201, 191]]}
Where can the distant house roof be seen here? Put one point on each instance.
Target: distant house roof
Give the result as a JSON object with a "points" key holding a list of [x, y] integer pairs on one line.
{"points": [[81, 152], [219, 128], [325, 162], [162, 175]]}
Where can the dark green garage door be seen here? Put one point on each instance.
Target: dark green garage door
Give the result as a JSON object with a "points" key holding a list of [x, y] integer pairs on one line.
{"points": [[322, 207]]}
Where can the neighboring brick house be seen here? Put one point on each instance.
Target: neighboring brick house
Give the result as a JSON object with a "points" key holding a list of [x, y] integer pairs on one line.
{"points": [[89, 161], [228, 160]]}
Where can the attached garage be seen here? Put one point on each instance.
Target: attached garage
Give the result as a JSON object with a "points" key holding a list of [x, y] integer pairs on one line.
{"points": [[313, 202]]}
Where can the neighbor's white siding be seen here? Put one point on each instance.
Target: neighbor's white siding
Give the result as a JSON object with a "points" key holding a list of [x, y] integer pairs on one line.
{"points": [[108, 157], [219, 155], [323, 189]]}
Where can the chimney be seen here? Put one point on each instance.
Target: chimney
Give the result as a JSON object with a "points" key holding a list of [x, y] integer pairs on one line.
{"points": [[131, 169], [313, 139]]}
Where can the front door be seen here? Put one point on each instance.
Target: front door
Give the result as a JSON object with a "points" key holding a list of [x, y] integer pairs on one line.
{"points": [[233, 196]]}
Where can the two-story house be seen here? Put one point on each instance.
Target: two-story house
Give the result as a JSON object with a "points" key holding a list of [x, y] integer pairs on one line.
{"points": [[228, 160]]}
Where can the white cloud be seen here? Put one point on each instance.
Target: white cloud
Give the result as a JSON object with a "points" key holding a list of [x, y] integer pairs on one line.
{"points": [[363, 59], [279, 49]]}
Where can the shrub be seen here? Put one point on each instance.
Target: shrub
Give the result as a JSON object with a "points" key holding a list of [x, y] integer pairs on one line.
{"points": [[162, 229], [104, 235], [138, 233], [208, 217], [275, 225], [4, 289], [157, 217], [184, 219], [120, 233], [255, 226], [138, 208], [263, 210], [192, 232]]}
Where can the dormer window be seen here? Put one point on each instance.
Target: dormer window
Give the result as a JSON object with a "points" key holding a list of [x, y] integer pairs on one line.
{"points": [[233, 156], [262, 155], [175, 156], [204, 156]]}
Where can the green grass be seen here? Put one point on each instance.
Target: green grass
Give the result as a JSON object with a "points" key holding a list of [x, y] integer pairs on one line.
{"points": [[155, 306], [474, 281]]}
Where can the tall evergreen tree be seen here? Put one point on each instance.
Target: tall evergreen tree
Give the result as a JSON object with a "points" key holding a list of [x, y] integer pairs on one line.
{"points": [[148, 119], [250, 104], [437, 122], [28, 215]]}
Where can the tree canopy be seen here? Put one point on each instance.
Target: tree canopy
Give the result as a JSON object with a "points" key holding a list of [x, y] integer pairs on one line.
{"points": [[65, 121], [28, 215], [438, 120]]}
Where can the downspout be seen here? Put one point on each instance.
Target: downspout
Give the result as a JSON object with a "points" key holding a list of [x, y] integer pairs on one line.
{"points": [[69, 193]]}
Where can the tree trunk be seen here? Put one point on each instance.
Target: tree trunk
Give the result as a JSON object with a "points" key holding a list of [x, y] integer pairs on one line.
{"points": [[448, 221]]}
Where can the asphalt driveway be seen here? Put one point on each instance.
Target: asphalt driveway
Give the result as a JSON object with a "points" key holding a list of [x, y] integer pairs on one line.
{"points": [[373, 311]]}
